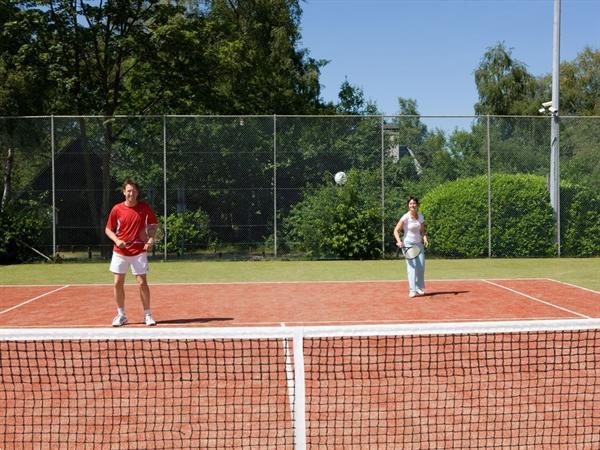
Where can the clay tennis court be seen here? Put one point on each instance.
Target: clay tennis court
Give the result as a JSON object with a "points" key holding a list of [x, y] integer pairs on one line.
{"points": [[364, 389], [299, 303]]}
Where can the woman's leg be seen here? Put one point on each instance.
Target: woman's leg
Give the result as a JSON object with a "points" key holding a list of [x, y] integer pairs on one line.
{"points": [[420, 269]]}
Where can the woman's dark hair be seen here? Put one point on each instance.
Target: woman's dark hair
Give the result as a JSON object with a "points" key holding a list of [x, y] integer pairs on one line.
{"points": [[409, 199]]}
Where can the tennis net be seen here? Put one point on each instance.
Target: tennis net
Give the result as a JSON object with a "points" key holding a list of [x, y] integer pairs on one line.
{"points": [[530, 384]]}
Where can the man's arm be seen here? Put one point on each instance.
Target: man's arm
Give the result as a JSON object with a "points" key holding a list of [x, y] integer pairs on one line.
{"points": [[113, 237]]}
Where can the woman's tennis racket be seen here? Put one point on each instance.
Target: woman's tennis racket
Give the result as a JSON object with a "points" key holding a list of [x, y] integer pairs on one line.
{"points": [[409, 252]]}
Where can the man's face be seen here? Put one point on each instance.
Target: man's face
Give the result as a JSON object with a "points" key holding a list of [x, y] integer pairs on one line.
{"points": [[131, 194]]}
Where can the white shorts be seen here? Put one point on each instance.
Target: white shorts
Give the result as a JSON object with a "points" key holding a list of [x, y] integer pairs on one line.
{"points": [[139, 264]]}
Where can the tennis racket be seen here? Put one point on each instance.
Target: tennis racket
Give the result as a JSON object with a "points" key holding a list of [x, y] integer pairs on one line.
{"points": [[153, 230], [409, 252]]}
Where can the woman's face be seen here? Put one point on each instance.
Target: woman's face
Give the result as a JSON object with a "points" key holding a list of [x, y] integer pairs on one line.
{"points": [[413, 205]]}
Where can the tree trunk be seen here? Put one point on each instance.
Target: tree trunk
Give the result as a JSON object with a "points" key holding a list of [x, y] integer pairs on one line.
{"points": [[106, 181], [90, 190], [8, 166]]}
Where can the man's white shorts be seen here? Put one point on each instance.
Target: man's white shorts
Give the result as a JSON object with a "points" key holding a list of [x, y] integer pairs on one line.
{"points": [[138, 263]]}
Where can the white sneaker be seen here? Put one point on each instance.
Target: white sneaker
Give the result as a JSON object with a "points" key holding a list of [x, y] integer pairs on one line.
{"points": [[119, 320], [148, 320], [412, 294], [420, 291]]}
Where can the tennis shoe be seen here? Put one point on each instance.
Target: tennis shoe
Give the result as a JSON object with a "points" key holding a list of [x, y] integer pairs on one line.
{"points": [[148, 320], [119, 320], [412, 294], [420, 291]]}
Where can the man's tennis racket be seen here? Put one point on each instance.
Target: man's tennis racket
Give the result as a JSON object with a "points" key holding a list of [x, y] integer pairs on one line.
{"points": [[409, 252], [153, 231]]}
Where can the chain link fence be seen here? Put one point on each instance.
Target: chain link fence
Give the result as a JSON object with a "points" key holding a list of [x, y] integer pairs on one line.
{"points": [[262, 186]]}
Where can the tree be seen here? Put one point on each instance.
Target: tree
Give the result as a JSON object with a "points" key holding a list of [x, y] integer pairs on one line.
{"points": [[580, 84], [352, 101], [504, 85], [257, 63], [118, 57]]}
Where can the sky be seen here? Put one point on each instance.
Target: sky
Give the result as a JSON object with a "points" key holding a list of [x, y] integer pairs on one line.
{"points": [[428, 50]]}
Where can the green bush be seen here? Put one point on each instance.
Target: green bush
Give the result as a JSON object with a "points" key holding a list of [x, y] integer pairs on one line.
{"points": [[580, 219], [22, 224], [522, 219], [338, 221], [186, 231]]}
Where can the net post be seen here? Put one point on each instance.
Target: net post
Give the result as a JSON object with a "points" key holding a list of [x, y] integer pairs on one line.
{"points": [[300, 392]]}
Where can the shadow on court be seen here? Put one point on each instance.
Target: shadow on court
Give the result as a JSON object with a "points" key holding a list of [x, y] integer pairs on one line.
{"points": [[433, 294], [194, 320]]}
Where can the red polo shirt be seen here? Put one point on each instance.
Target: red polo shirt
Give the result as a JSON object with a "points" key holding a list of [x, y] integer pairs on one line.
{"points": [[129, 224]]}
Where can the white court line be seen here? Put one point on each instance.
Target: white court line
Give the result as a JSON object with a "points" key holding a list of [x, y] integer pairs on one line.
{"points": [[538, 300], [312, 323], [34, 299], [574, 286], [243, 283]]}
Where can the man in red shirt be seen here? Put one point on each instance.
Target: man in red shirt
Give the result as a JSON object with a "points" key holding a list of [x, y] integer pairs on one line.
{"points": [[126, 227]]}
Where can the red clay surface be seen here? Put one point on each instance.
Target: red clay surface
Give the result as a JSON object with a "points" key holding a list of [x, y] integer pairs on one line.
{"points": [[299, 303], [523, 390]]}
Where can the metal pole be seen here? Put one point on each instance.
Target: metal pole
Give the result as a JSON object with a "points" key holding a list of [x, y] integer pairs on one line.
{"points": [[166, 231], [382, 189], [275, 185], [554, 132], [489, 176], [52, 149]]}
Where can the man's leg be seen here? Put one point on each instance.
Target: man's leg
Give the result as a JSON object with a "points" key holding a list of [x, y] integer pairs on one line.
{"points": [[119, 266], [119, 290], [145, 297], [119, 294], [142, 283]]}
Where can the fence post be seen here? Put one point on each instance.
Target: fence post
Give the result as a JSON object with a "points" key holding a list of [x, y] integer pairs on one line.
{"points": [[275, 185], [382, 188], [52, 149], [489, 170], [166, 231]]}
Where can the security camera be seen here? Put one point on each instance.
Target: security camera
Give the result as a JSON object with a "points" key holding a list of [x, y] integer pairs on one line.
{"points": [[542, 110], [547, 104], [552, 109]]}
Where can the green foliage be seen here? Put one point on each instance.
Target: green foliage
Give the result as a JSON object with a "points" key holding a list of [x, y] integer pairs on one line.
{"points": [[580, 84], [580, 210], [22, 224], [522, 219], [503, 83], [341, 221], [580, 151], [186, 231]]}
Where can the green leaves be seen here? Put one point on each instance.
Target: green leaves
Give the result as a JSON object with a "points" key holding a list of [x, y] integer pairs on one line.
{"points": [[186, 231], [338, 221], [22, 226]]}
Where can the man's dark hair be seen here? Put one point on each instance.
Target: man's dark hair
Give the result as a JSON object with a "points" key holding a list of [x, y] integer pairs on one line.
{"points": [[129, 181]]}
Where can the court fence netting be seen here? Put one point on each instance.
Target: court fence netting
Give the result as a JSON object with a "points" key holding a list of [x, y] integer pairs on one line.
{"points": [[253, 186], [517, 384]]}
